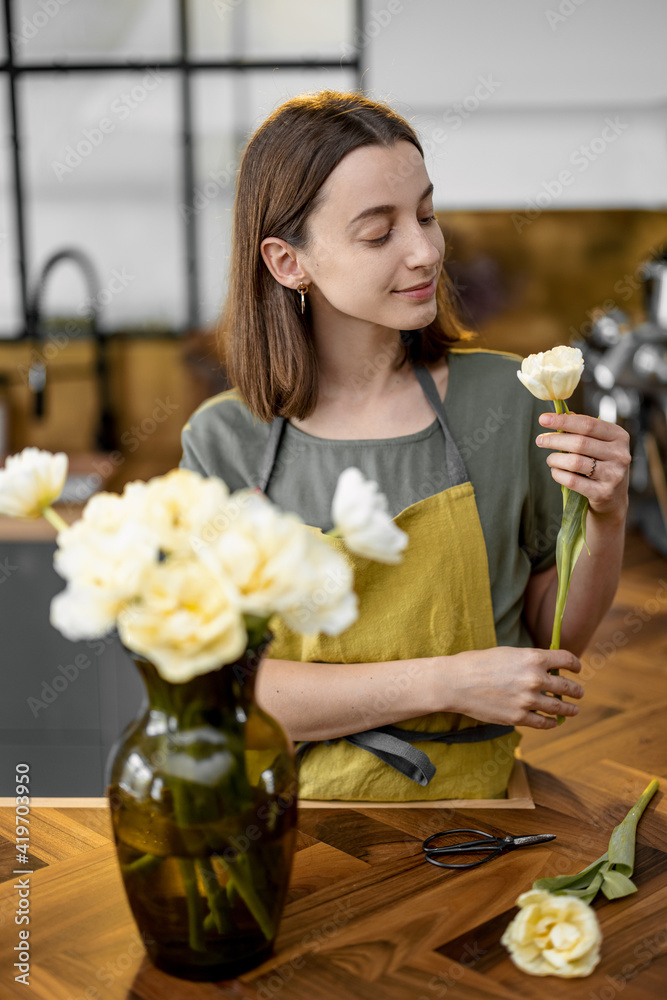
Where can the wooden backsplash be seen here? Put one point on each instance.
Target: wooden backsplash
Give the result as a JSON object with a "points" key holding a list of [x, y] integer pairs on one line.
{"points": [[532, 284], [525, 285]]}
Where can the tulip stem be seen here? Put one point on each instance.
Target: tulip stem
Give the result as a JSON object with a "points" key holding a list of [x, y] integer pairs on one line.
{"points": [[58, 522], [563, 578]]}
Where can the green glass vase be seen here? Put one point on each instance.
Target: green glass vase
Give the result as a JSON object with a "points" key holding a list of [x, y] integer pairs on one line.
{"points": [[203, 796]]}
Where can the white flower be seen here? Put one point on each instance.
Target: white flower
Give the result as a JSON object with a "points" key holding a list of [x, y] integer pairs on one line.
{"points": [[103, 557], [31, 481], [552, 374], [327, 602], [553, 935], [279, 565], [178, 506], [83, 613], [186, 621], [261, 550], [360, 515]]}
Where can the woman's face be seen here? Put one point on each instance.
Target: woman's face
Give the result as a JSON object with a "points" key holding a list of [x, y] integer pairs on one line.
{"points": [[375, 249]]}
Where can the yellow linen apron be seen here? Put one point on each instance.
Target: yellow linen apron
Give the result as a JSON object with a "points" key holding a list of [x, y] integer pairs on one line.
{"points": [[436, 602]]}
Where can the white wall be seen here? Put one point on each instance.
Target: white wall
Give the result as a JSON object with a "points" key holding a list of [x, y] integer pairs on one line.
{"points": [[506, 94]]}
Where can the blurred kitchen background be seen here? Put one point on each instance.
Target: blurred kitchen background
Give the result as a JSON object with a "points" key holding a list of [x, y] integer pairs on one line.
{"points": [[121, 127]]}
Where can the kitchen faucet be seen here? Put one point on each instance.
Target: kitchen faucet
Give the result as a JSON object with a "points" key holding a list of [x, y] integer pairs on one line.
{"points": [[105, 438]]}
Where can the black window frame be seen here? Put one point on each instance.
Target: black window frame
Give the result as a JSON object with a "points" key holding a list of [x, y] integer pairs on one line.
{"points": [[186, 67]]}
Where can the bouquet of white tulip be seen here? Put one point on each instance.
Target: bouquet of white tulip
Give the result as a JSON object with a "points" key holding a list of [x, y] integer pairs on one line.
{"points": [[190, 574]]}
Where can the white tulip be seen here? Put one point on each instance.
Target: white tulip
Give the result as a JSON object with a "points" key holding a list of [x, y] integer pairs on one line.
{"points": [[83, 613], [553, 935], [279, 565], [360, 516], [327, 601], [102, 556], [261, 550], [178, 505], [186, 622], [106, 555], [31, 481], [177, 562], [552, 374]]}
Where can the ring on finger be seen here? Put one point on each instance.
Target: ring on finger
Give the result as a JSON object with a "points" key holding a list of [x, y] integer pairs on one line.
{"points": [[589, 475]]}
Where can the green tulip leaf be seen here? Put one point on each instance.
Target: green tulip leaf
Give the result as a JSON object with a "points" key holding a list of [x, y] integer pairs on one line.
{"points": [[589, 894], [616, 884], [569, 883], [612, 871], [622, 841]]}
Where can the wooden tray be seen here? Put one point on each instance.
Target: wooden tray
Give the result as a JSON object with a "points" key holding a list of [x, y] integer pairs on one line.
{"points": [[518, 797]]}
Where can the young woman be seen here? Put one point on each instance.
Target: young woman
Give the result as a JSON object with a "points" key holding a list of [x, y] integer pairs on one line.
{"points": [[341, 342]]}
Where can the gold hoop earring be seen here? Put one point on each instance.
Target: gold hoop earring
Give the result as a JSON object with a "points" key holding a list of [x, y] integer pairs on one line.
{"points": [[302, 289]]}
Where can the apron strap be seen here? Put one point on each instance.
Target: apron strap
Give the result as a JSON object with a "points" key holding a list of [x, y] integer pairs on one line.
{"points": [[270, 451], [456, 470], [394, 746]]}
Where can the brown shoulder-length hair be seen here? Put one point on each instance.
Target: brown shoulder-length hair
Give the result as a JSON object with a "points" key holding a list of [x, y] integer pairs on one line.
{"points": [[264, 341]]}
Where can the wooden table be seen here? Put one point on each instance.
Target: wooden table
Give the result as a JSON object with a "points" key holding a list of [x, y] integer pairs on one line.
{"points": [[366, 916]]}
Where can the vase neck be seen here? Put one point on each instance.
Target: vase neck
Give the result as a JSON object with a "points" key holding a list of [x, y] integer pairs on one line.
{"points": [[232, 684]]}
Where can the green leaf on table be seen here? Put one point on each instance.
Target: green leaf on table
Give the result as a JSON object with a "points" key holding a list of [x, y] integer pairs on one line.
{"points": [[612, 871], [568, 883], [622, 840], [589, 894], [615, 885]]}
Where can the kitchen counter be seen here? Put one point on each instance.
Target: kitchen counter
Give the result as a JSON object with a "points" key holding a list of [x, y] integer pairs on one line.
{"points": [[366, 916]]}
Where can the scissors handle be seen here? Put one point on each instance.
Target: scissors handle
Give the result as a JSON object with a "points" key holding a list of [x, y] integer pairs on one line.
{"points": [[489, 845]]}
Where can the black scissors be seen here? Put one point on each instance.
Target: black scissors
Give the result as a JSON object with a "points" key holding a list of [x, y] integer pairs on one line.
{"points": [[489, 845]]}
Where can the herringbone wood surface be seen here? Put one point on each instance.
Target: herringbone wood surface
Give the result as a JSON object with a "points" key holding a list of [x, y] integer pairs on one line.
{"points": [[367, 918]]}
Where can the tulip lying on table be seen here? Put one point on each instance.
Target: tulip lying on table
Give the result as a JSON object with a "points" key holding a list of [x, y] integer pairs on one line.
{"points": [[612, 871], [556, 933]]}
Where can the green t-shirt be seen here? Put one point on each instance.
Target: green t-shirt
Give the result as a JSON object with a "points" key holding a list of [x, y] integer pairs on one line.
{"points": [[494, 421]]}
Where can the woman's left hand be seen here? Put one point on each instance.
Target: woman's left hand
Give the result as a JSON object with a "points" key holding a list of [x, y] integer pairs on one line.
{"points": [[592, 457]]}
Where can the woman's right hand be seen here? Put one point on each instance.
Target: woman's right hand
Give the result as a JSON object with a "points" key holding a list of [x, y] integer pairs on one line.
{"points": [[509, 685]]}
